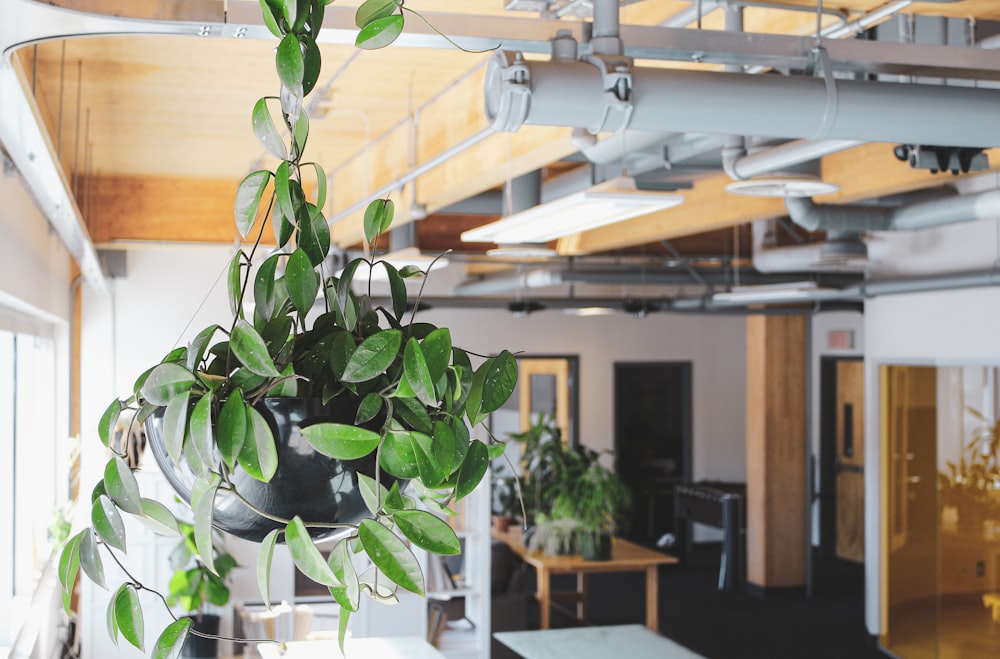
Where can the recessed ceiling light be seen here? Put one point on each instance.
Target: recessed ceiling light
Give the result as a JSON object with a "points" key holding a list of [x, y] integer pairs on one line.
{"points": [[782, 187]]}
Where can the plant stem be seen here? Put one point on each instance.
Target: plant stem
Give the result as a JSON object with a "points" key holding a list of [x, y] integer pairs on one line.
{"points": [[138, 586], [281, 520]]}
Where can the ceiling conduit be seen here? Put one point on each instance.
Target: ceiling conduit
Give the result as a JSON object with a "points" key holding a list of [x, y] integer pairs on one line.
{"points": [[606, 93], [921, 215]]}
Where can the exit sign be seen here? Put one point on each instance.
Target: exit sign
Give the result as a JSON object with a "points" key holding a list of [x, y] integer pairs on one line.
{"points": [[840, 339]]}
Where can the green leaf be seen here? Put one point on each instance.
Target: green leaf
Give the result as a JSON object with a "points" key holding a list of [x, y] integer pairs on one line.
{"points": [[166, 381], [106, 426], [282, 189], [342, 628], [371, 10], [305, 555], [108, 523], [398, 290], [248, 196], [417, 373], [196, 349], [391, 556], [128, 615], [265, 130], [431, 472], [264, 287], [121, 486], [69, 566], [90, 559], [436, 347], [378, 217], [250, 349], [414, 414], [271, 14], [233, 281], [313, 234], [112, 618], [320, 184], [501, 378], [496, 450], [427, 531], [202, 508], [202, 439], [348, 595], [370, 405], [373, 357], [341, 441], [474, 399], [158, 518], [373, 494], [473, 469], [259, 456], [444, 446], [264, 557], [175, 425], [397, 457], [312, 62], [301, 281], [288, 61], [300, 130], [232, 428], [380, 32], [171, 641]]}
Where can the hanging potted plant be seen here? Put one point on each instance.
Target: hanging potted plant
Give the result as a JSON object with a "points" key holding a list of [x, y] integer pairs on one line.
{"points": [[314, 413]]}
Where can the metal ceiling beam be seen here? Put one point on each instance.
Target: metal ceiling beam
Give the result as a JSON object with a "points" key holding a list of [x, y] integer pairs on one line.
{"points": [[530, 35]]}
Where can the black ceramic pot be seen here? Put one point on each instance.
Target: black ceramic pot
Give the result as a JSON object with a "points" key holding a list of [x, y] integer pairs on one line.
{"points": [[596, 546], [307, 483], [199, 646]]}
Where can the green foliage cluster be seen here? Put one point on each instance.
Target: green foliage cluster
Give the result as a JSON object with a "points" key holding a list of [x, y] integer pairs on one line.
{"points": [[193, 585], [416, 394], [972, 485], [567, 491]]}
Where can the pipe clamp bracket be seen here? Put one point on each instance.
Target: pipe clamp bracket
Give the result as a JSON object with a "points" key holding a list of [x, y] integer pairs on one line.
{"points": [[508, 92], [616, 76]]}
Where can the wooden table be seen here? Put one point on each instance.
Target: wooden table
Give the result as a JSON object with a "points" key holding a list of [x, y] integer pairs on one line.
{"points": [[625, 557]]}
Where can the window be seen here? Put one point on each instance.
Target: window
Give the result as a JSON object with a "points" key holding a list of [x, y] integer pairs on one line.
{"points": [[32, 471]]}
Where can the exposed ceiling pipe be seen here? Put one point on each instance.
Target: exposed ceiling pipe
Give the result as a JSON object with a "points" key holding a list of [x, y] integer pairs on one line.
{"points": [[574, 94], [814, 256], [921, 215], [741, 167], [545, 277]]}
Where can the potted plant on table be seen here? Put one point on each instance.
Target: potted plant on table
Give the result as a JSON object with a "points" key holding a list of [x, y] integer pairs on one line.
{"points": [[193, 587], [316, 413], [599, 501]]}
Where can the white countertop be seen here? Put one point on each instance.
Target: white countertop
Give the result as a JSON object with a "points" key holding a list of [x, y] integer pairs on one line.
{"points": [[633, 641]]}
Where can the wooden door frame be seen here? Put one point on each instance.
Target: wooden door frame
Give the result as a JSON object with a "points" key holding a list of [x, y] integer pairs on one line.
{"points": [[828, 451], [572, 395]]}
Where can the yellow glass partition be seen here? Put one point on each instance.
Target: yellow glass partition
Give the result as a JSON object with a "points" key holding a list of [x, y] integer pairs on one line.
{"points": [[941, 520]]}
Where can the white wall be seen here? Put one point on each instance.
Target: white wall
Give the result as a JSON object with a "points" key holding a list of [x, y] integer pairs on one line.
{"points": [[942, 328], [716, 346], [34, 298]]}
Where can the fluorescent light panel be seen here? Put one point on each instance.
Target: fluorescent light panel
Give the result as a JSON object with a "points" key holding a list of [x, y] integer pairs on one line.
{"points": [[606, 203], [789, 292]]}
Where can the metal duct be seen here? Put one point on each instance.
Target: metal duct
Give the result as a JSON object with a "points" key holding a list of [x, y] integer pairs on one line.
{"points": [[922, 215], [574, 94]]}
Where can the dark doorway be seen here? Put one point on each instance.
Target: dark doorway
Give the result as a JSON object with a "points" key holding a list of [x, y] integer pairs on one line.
{"points": [[653, 440], [838, 564]]}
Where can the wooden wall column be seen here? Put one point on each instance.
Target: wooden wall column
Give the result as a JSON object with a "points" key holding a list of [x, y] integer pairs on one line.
{"points": [[776, 452]]}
